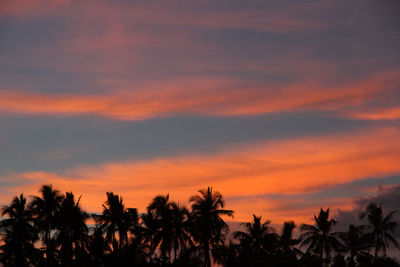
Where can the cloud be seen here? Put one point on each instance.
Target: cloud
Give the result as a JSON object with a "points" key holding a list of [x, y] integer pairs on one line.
{"points": [[268, 17], [82, 139], [387, 196], [285, 167], [21, 8], [382, 113], [207, 97]]}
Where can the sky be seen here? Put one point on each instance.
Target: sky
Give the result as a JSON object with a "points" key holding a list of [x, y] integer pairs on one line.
{"points": [[282, 106]]}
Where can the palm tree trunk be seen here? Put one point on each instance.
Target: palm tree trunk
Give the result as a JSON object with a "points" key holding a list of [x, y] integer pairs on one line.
{"points": [[182, 250], [352, 262], [207, 256], [322, 257], [47, 241], [151, 250], [175, 249]]}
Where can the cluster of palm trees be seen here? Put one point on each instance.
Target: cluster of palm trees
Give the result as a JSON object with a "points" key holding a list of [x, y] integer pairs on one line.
{"points": [[53, 230]]}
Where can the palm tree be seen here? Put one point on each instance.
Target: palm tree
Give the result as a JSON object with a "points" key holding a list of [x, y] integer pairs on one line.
{"points": [[72, 229], [230, 255], [181, 228], [137, 247], [286, 241], [114, 219], [259, 236], [162, 209], [19, 235], [209, 228], [45, 209], [355, 242], [149, 230], [97, 246], [383, 228], [319, 237]]}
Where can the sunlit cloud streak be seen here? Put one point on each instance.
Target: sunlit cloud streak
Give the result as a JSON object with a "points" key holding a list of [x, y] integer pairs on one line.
{"points": [[206, 98], [294, 166]]}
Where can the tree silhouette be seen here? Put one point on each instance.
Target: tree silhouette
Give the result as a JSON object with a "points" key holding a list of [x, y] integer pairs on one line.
{"points": [[167, 234], [355, 242], [319, 237], [230, 255], [209, 227], [259, 237], [181, 225], [72, 229], [116, 221], [162, 210], [97, 246], [286, 241], [383, 228], [20, 234], [149, 232], [45, 209]]}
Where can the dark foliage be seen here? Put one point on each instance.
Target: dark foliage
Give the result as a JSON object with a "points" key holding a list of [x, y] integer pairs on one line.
{"points": [[53, 230]]}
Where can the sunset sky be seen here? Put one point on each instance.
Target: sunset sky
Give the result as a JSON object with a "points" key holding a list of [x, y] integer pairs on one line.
{"points": [[282, 106]]}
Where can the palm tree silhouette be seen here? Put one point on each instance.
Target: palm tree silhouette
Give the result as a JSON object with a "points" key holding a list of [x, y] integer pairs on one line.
{"points": [[355, 242], [45, 209], [209, 228], [286, 241], [162, 209], [169, 235], [114, 219], [383, 228], [149, 231], [181, 225], [20, 235], [319, 237], [72, 229], [97, 246], [259, 237]]}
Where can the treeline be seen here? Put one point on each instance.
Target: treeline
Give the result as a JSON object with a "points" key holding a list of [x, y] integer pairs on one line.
{"points": [[53, 230]]}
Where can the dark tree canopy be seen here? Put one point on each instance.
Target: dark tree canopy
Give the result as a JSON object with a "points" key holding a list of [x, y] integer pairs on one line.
{"points": [[53, 230]]}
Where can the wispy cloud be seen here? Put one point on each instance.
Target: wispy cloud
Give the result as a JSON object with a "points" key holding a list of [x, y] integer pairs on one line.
{"points": [[285, 167], [270, 17], [209, 97]]}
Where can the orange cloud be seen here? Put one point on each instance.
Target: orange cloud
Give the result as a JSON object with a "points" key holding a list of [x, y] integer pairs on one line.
{"points": [[222, 97], [285, 167], [382, 113]]}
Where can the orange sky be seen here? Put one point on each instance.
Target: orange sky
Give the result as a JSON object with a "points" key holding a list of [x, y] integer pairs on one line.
{"points": [[296, 166], [209, 97], [282, 108]]}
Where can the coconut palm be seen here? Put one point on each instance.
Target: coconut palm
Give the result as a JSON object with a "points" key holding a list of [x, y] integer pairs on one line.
{"points": [[259, 237], [137, 246], [116, 221], [209, 228], [181, 228], [72, 229], [149, 229], [45, 209], [230, 255], [162, 210], [355, 242], [19, 235], [319, 237], [97, 246], [382, 228], [286, 241]]}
